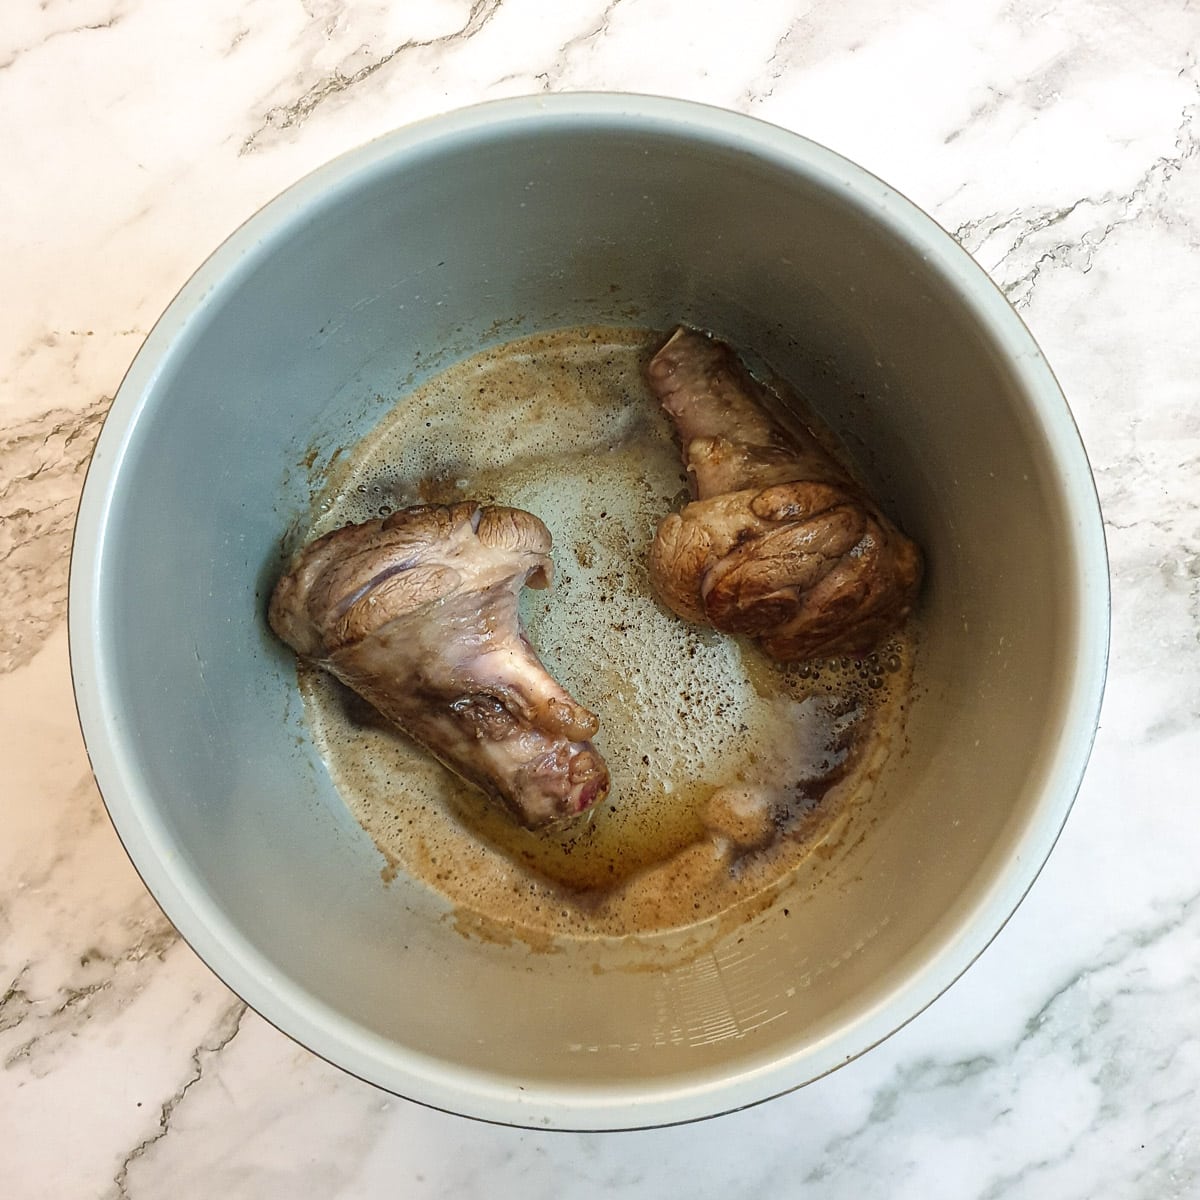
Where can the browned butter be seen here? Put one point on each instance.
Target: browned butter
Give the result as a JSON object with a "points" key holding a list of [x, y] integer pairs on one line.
{"points": [[728, 770]]}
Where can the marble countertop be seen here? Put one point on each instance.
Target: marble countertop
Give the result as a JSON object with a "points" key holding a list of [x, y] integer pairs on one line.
{"points": [[1056, 139]]}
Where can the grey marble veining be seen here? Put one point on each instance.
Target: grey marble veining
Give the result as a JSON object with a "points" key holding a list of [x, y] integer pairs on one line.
{"points": [[1057, 140], [42, 464]]}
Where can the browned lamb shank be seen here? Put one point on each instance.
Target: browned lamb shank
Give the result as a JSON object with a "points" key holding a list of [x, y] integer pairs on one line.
{"points": [[778, 543], [418, 614]]}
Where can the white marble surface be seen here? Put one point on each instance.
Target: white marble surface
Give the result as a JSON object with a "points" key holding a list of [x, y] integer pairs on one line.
{"points": [[1058, 139]]}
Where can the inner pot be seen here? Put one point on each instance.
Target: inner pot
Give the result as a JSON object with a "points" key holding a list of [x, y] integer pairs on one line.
{"points": [[415, 251]]}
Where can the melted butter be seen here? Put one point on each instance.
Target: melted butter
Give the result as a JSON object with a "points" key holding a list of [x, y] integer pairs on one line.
{"points": [[563, 425]]}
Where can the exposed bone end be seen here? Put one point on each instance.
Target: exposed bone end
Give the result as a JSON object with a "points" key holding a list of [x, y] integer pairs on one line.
{"points": [[688, 360], [557, 787]]}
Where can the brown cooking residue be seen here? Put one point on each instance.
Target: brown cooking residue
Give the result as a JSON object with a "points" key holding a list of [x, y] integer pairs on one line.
{"points": [[728, 770]]}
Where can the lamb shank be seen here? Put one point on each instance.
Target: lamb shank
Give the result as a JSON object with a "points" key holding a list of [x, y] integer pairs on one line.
{"points": [[778, 543], [418, 614]]}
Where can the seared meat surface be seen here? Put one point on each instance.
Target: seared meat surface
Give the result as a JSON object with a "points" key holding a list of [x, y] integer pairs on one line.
{"points": [[778, 543], [418, 614]]}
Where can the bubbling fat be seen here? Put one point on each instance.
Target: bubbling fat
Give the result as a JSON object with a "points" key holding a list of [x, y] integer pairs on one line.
{"points": [[728, 770]]}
